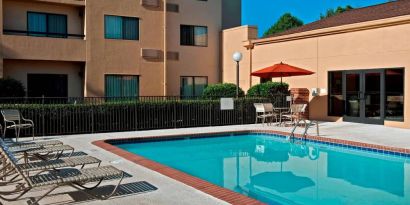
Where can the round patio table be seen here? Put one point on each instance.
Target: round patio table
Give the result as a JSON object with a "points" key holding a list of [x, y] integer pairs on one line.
{"points": [[281, 110]]}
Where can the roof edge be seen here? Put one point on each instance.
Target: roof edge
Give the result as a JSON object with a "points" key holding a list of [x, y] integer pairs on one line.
{"points": [[394, 21]]}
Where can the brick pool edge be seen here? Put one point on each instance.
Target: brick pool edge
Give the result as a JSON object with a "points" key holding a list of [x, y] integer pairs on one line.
{"points": [[212, 189]]}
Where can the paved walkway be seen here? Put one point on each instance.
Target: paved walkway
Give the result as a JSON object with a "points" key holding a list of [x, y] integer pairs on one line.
{"points": [[148, 187]]}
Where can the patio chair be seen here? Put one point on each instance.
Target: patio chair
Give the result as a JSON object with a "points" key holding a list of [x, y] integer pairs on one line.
{"points": [[295, 114], [14, 120], [263, 113], [53, 179], [270, 111]]}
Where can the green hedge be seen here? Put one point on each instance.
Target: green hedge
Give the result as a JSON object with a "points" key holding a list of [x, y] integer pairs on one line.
{"points": [[221, 90], [268, 89], [93, 117]]}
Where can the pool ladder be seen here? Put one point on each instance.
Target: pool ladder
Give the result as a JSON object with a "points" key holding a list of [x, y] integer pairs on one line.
{"points": [[307, 126]]}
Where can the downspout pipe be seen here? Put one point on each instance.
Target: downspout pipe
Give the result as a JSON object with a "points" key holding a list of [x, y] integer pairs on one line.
{"points": [[165, 49]]}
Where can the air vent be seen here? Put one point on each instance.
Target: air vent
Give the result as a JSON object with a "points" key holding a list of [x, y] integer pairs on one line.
{"points": [[151, 53], [171, 55], [172, 7], [150, 3]]}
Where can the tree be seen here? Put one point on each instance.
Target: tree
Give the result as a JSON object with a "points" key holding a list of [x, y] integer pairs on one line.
{"points": [[333, 12], [284, 23], [11, 88]]}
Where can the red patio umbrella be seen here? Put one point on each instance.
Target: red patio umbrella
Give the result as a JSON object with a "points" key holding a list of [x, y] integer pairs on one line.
{"points": [[281, 70]]}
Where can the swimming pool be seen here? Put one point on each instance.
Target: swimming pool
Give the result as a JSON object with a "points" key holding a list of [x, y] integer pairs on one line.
{"points": [[273, 170]]}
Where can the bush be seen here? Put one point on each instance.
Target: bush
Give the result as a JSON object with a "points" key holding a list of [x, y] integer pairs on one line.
{"points": [[11, 88], [221, 90], [268, 89]]}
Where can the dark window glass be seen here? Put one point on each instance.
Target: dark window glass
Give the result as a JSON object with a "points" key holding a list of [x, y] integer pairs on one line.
{"points": [[395, 94], [193, 86], [47, 85], [336, 103], [121, 86], [117, 27], [194, 35], [130, 28], [57, 25], [47, 25]]}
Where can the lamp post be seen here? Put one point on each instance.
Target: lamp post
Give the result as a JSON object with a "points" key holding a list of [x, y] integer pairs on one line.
{"points": [[237, 57]]}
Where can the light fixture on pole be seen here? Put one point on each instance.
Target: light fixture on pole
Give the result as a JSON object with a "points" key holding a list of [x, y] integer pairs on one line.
{"points": [[237, 57]]}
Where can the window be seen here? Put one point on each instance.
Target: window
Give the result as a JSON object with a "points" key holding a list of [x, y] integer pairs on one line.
{"points": [[193, 86], [395, 94], [118, 27], [46, 25], [172, 7], [335, 101], [121, 86], [194, 35], [47, 85]]}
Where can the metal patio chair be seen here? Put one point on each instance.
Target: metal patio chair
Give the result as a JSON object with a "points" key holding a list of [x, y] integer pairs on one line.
{"points": [[295, 113], [14, 120], [264, 112], [55, 178]]}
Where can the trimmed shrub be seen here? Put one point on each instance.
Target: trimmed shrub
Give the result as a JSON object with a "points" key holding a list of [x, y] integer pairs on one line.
{"points": [[221, 90], [11, 88], [268, 89]]}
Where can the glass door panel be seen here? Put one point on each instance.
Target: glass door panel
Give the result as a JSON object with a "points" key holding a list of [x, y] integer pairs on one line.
{"points": [[353, 89], [372, 95]]}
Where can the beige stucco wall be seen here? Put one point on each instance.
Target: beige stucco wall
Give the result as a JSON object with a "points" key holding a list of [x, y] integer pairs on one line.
{"points": [[15, 14], [194, 60], [106, 56], [233, 42], [383, 47], [18, 69]]}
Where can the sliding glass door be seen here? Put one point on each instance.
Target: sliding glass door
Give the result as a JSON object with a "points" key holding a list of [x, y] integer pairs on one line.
{"points": [[363, 92]]}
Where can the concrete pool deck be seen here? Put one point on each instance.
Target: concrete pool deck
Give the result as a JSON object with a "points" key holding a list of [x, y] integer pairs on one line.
{"points": [[149, 187]]}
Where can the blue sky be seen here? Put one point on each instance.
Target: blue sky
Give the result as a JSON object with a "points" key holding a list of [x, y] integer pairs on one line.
{"points": [[264, 13]]}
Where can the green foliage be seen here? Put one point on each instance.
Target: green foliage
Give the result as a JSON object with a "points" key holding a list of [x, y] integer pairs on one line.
{"points": [[11, 88], [221, 90], [268, 89], [285, 22], [333, 12]]}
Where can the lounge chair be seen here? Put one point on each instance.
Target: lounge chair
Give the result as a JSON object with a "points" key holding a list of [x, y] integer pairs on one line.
{"points": [[42, 153], [57, 178], [14, 120], [49, 164], [33, 144]]}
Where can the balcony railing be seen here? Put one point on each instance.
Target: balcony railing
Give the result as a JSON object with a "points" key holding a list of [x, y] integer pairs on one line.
{"points": [[42, 34]]}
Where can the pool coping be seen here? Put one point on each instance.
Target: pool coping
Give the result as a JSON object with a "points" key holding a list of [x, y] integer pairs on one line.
{"points": [[216, 191]]}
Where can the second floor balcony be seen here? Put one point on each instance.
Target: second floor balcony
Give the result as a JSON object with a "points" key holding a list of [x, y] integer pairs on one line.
{"points": [[43, 19]]}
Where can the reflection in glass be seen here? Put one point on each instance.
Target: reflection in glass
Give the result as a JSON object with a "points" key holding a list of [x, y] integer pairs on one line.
{"points": [[395, 94], [336, 103], [372, 95], [353, 94]]}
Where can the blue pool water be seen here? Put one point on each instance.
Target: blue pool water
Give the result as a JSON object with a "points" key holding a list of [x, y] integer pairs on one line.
{"points": [[276, 171]]}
